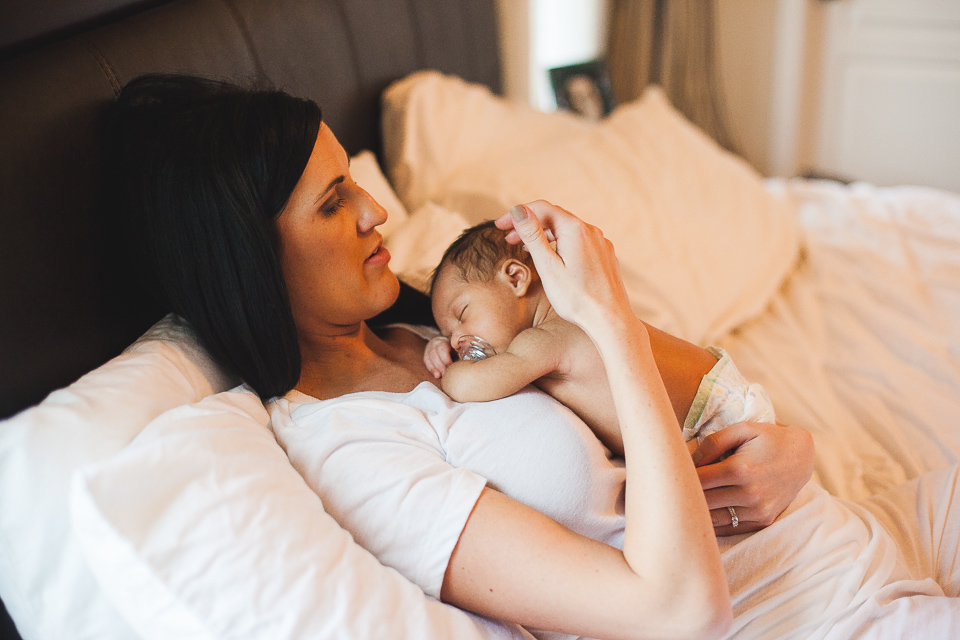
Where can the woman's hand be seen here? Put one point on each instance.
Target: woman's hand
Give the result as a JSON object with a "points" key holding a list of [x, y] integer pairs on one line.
{"points": [[768, 465], [437, 356], [582, 276]]}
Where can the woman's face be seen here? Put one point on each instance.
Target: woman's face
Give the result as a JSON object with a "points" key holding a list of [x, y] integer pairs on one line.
{"points": [[331, 254]]}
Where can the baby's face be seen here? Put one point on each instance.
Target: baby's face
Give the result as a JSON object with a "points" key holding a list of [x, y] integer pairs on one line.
{"points": [[489, 310]]}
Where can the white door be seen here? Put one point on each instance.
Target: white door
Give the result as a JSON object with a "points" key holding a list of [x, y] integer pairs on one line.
{"points": [[890, 100]]}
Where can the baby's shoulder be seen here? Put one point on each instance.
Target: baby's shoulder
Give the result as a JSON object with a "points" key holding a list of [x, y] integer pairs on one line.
{"points": [[566, 334], [556, 339], [536, 342]]}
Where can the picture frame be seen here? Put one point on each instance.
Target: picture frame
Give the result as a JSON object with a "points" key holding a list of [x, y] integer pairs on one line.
{"points": [[583, 88]]}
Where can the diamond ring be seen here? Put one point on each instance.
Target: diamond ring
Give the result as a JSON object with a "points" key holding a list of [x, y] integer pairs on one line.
{"points": [[734, 520]]}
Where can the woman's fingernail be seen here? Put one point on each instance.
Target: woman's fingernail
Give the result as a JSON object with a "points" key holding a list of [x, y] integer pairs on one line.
{"points": [[519, 212], [697, 457]]}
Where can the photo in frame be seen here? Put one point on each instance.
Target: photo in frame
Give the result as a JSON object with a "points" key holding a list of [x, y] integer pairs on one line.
{"points": [[583, 88]]}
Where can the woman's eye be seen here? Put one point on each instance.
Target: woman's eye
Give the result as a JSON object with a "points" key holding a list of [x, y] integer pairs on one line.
{"points": [[335, 206]]}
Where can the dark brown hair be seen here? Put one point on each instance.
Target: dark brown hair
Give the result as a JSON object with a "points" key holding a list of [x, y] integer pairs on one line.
{"points": [[199, 170], [479, 251]]}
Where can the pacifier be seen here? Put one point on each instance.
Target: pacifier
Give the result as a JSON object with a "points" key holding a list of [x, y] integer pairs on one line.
{"points": [[474, 348]]}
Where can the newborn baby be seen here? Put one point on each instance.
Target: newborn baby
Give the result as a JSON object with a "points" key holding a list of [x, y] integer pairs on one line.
{"points": [[493, 313]]}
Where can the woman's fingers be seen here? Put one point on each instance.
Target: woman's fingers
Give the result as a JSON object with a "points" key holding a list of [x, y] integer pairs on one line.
{"points": [[581, 275], [531, 229], [512, 236], [749, 518], [718, 443], [752, 505], [729, 472], [767, 466], [723, 523], [723, 497]]}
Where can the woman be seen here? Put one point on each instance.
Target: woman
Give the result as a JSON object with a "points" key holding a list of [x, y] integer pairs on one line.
{"points": [[242, 206]]}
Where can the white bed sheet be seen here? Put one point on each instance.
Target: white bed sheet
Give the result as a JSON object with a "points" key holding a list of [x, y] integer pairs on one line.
{"points": [[861, 345]]}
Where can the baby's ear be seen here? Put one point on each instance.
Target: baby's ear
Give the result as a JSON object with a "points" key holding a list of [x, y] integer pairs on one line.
{"points": [[517, 275]]}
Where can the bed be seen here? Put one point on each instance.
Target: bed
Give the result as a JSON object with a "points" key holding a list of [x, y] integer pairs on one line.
{"points": [[139, 499]]}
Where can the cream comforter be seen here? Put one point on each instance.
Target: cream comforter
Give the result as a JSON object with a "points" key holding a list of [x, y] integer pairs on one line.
{"points": [[861, 345]]}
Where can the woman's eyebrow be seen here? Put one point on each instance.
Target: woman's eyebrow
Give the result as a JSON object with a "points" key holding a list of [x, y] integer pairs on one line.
{"points": [[332, 184]]}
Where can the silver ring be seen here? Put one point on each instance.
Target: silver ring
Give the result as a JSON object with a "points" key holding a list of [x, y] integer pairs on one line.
{"points": [[734, 520]]}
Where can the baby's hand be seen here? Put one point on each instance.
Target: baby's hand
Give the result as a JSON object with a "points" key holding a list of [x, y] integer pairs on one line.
{"points": [[436, 356]]}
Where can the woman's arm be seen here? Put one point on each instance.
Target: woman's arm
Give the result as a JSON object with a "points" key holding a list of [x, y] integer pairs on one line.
{"points": [[513, 563]]}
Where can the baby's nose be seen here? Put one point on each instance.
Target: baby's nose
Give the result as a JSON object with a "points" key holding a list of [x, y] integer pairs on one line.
{"points": [[455, 339]]}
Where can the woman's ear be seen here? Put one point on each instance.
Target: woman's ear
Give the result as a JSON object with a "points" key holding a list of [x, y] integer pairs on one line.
{"points": [[517, 275]]}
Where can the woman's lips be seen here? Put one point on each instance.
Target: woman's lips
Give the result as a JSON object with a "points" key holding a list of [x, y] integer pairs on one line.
{"points": [[379, 257]]}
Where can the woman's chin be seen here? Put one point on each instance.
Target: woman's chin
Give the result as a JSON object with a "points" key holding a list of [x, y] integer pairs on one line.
{"points": [[379, 295], [395, 284], [388, 290]]}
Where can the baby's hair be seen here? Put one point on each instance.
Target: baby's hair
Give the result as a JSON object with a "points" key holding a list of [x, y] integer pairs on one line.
{"points": [[479, 251]]}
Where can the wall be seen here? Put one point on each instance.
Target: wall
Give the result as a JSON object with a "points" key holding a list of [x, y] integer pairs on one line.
{"points": [[768, 58], [780, 64], [745, 45], [537, 35]]}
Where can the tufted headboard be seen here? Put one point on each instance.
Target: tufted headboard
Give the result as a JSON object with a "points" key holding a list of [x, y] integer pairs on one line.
{"points": [[62, 312]]}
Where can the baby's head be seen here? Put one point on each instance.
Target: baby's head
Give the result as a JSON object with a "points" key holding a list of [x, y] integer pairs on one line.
{"points": [[484, 287]]}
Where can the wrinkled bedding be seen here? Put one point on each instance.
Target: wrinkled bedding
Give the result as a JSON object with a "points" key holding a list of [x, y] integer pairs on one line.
{"points": [[861, 344]]}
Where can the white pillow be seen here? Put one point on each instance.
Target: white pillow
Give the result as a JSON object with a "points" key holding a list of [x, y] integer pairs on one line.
{"points": [[434, 124], [417, 245], [44, 580], [365, 171], [201, 528], [702, 244]]}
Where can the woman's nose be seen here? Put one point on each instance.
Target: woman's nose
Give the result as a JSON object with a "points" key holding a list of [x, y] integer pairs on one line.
{"points": [[371, 215]]}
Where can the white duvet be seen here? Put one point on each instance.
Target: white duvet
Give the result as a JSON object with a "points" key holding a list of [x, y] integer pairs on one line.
{"points": [[861, 345]]}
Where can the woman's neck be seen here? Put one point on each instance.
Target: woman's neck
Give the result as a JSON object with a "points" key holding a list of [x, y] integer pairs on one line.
{"points": [[356, 360]]}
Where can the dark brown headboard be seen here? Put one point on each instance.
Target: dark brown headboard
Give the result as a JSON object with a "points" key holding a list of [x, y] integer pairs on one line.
{"points": [[58, 316]]}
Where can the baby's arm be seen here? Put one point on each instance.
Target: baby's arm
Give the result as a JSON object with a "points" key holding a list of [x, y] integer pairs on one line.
{"points": [[532, 355]]}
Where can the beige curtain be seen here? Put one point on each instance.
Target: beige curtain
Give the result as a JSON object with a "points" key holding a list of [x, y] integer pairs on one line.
{"points": [[670, 43]]}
